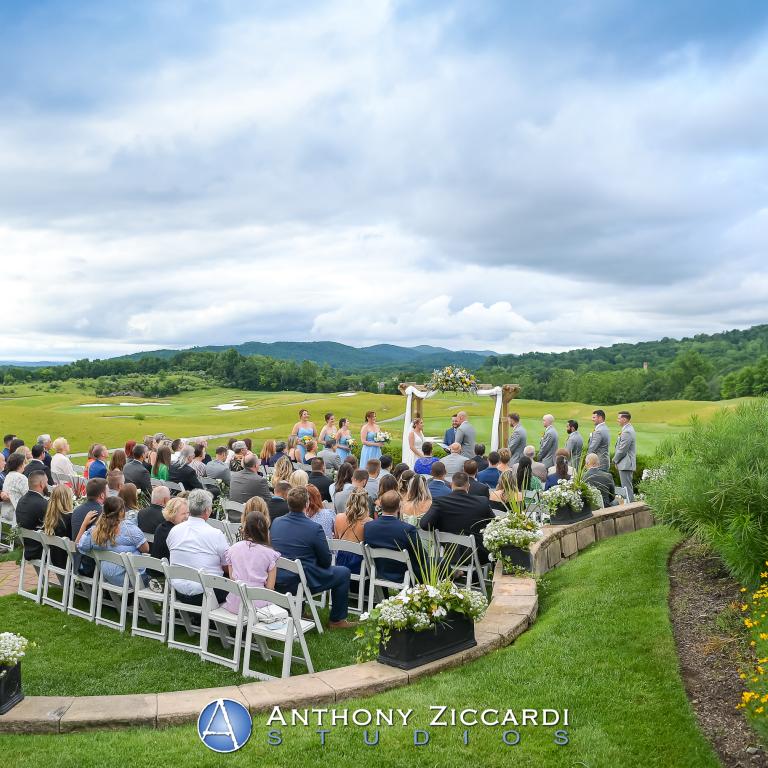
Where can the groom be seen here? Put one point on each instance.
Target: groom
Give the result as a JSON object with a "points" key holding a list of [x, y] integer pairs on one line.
{"points": [[466, 436]]}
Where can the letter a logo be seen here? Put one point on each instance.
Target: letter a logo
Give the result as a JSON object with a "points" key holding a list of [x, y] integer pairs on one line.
{"points": [[224, 725]]}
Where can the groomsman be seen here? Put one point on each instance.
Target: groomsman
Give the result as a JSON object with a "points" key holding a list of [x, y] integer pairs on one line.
{"points": [[466, 436], [625, 452], [575, 442], [549, 442], [600, 439], [518, 438]]}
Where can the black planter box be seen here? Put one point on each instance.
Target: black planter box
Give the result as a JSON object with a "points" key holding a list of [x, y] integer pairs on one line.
{"points": [[566, 515], [407, 648], [518, 556], [10, 688]]}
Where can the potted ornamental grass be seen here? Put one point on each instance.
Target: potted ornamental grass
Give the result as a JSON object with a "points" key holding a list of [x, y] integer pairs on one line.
{"points": [[12, 650], [422, 623]]}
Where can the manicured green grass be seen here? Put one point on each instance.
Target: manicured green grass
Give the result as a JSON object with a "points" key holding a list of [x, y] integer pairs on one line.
{"points": [[76, 658], [602, 647], [31, 411]]}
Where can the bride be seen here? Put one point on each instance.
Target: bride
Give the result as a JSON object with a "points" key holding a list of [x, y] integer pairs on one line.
{"points": [[416, 437]]}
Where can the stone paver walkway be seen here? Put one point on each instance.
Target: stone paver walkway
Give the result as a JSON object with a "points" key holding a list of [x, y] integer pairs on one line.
{"points": [[9, 578]]}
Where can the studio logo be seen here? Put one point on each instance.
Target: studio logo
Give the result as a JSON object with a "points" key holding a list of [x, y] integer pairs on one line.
{"points": [[224, 725]]}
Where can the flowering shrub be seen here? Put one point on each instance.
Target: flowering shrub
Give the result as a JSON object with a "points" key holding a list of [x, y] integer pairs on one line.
{"points": [[452, 379], [570, 492], [12, 649], [382, 437], [754, 700], [418, 608], [509, 531]]}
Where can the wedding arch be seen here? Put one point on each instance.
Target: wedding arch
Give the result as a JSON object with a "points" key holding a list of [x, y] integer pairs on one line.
{"points": [[416, 394]]}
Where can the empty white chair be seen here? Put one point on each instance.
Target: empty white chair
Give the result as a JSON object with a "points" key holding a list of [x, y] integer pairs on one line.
{"points": [[376, 583], [342, 545], [233, 510], [117, 595], [223, 619], [295, 567], [63, 573], [37, 564], [464, 556], [82, 586], [186, 611], [263, 626], [145, 599], [223, 526], [209, 482], [156, 482], [173, 487], [621, 491]]}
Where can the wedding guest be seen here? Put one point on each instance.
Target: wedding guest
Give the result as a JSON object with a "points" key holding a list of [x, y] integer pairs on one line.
{"points": [[475, 488], [405, 480], [350, 525], [504, 458], [150, 453], [218, 468], [329, 455], [454, 461], [371, 449], [417, 499], [198, 461], [131, 501], [136, 472], [98, 467], [280, 452], [268, 450], [600, 478], [343, 480], [58, 521], [310, 451], [525, 478], [7, 439], [60, 461], [301, 429], [538, 469], [115, 481], [15, 485], [437, 485], [294, 452], [161, 469], [89, 460], [328, 430], [386, 483], [600, 439], [174, 512], [423, 465], [352, 459], [30, 511], [549, 441], [575, 442], [479, 457], [343, 437], [317, 512], [176, 447], [240, 449], [319, 479], [299, 479], [359, 480], [416, 437], [15, 444], [374, 475], [45, 441], [283, 470], [386, 464], [564, 453], [398, 469], [518, 438], [84, 515], [183, 473], [128, 450], [501, 496], [36, 463], [277, 505], [490, 475], [561, 472], [248, 482], [150, 517], [450, 434]]}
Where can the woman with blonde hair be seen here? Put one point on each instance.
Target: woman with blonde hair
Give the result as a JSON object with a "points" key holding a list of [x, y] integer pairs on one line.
{"points": [[60, 461], [175, 511], [258, 506], [310, 451], [114, 533], [505, 490], [268, 450], [58, 521], [299, 479], [348, 526], [417, 499], [283, 470], [416, 437], [317, 512]]}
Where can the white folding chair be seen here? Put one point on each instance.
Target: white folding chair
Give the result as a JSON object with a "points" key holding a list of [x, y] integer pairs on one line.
{"points": [[288, 630], [468, 563], [81, 586], [173, 487], [623, 492], [144, 598], [185, 610], [38, 564], [117, 594], [7, 527], [233, 510], [223, 526], [209, 482], [150, 537], [341, 545], [295, 567], [375, 583], [156, 482], [429, 542], [223, 619], [63, 575]]}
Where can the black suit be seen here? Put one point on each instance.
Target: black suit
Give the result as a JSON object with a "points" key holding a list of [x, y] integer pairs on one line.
{"points": [[149, 518], [323, 483], [278, 507], [461, 514], [478, 489], [184, 474], [135, 472], [482, 463], [35, 465], [30, 513]]}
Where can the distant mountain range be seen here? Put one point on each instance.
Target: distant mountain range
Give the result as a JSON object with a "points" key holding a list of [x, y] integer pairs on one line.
{"points": [[341, 356]]}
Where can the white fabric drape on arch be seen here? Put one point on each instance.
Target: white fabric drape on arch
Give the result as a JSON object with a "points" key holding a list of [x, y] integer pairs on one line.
{"points": [[410, 392]]}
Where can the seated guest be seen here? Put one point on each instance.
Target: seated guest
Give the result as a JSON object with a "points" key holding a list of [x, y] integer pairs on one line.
{"points": [[310, 451], [119, 459], [424, 464], [198, 462], [600, 479], [386, 463], [398, 469], [374, 475], [198, 545], [475, 488], [299, 479], [113, 532], [437, 485], [218, 468], [319, 479], [283, 470], [460, 513], [15, 485], [454, 461], [2, 470], [280, 452], [131, 500], [525, 479], [277, 505], [176, 446], [30, 511], [45, 441], [248, 482], [359, 480], [388, 531], [174, 512], [7, 443], [480, 460], [60, 462], [95, 495], [539, 470], [317, 512], [299, 538], [150, 517], [404, 481], [37, 463], [505, 456], [15, 444], [252, 560], [135, 472], [268, 450], [343, 480], [293, 450], [386, 483], [98, 467], [150, 454], [561, 471], [115, 481], [58, 521], [502, 495], [352, 459], [417, 499], [161, 469], [349, 527], [240, 449], [561, 452], [329, 456], [183, 473]]}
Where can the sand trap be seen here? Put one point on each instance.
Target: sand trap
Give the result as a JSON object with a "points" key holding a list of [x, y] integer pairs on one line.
{"points": [[95, 405], [347, 394], [124, 405], [229, 407]]}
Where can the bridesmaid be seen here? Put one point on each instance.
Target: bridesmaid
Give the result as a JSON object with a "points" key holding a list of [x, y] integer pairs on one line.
{"points": [[371, 449], [303, 428], [342, 439], [416, 438], [329, 430]]}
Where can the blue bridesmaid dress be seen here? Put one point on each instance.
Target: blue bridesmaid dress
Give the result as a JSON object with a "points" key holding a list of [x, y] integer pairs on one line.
{"points": [[303, 432], [369, 452], [342, 447]]}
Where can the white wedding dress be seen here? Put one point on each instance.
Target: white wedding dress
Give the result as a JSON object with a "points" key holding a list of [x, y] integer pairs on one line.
{"points": [[418, 441]]}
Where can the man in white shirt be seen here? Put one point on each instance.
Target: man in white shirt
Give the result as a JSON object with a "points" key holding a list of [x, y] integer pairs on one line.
{"points": [[198, 545]]}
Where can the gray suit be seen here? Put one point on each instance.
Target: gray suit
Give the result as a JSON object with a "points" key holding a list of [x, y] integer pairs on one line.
{"points": [[575, 444], [246, 484], [625, 457], [517, 442], [599, 443], [331, 458], [454, 462], [548, 447], [466, 437]]}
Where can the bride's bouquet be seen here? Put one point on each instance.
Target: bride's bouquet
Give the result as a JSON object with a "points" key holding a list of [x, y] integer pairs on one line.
{"points": [[382, 437], [351, 443]]}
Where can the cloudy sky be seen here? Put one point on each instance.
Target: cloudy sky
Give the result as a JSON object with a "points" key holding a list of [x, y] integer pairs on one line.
{"points": [[473, 174]]}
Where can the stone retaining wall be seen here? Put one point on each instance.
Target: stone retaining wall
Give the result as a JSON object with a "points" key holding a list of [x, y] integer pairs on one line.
{"points": [[512, 610]]}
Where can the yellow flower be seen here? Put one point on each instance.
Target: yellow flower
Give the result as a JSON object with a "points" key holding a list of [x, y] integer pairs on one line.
{"points": [[759, 710]]}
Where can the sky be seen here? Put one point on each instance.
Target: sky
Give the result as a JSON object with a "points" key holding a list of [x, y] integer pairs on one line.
{"points": [[502, 175]]}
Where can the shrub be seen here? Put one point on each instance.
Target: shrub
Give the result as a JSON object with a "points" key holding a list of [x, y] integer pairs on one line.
{"points": [[714, 485]]}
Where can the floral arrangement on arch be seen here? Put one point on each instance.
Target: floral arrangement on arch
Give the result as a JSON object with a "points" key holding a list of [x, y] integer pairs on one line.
{"points": [[452, 379]]}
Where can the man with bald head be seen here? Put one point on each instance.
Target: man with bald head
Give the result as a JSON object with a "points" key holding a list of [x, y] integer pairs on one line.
{"points": [[466, 436], [549, 441], [152, 516]]}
